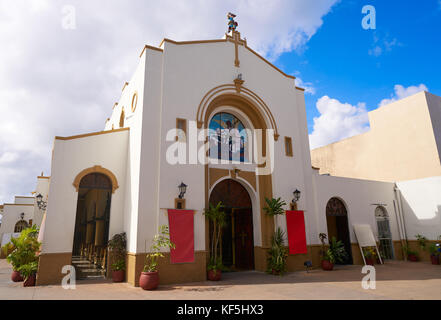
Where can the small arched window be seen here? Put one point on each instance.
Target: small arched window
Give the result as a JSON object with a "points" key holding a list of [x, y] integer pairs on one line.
{"points": [[20, 226], [228, 138], [121, 119]]}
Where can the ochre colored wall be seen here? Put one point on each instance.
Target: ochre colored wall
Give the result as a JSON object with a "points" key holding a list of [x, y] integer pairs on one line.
{"points": [[400, 145]]}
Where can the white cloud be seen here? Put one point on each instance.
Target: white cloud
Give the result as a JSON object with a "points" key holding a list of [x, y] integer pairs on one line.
{"points": [[308, 86], [402, 92], [63, 82], [337, 121], [382, 45]]}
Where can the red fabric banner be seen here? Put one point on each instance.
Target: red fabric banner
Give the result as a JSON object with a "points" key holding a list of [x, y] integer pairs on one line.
{"points": [[181, 225], [295, 224]]}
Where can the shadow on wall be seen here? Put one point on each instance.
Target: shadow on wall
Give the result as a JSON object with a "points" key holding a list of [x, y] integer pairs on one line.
{"points": [[421, 204]]}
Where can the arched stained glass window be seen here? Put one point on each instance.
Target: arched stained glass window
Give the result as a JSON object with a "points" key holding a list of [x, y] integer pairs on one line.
{"points": [[228, 138]]}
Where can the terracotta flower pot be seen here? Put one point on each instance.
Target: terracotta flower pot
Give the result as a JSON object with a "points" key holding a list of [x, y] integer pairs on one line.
{"points": [[30, 281], [434, 259], [214, 275], [16, 276], [370, 261], [149, 280], [118, 275], [412, 257], [327, 265]]}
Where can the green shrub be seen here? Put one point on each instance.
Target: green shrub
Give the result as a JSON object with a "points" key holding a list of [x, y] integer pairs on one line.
{"points": [[24, 256], [278, 253]]}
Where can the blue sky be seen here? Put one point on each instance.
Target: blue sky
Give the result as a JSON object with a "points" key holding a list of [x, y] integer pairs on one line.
{"points": [[337, 62]]}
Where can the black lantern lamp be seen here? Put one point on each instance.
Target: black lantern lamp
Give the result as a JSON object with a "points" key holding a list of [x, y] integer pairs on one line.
{"points": [[40, 203], [22, 215], [296, 196], [182, 189]]}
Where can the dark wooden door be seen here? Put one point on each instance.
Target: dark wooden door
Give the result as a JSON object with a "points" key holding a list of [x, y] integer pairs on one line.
{"points": [[243, 239]]}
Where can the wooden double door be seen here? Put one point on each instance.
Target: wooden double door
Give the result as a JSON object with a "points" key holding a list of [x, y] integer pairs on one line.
{"points": [[237, 246], [237, 239]]}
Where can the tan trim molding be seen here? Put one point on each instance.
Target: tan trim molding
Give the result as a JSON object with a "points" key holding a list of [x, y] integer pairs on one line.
{"points": [[96, 169], [134, 101], [24, 197], [43, 177], [91, 134], [228, 39], [125, 85], [301, 89], [17, 204], [246, 94], [149, 47]]}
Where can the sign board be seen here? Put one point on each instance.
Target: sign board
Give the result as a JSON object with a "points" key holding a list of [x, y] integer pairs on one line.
{"points": [[365, 238]]}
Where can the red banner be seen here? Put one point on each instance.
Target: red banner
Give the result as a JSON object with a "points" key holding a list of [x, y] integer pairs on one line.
{"points": [[295, 224], [181, 227]]}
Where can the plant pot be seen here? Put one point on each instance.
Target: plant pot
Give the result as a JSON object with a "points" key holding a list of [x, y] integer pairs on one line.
{"points": [[30, 281], [16, 276], [275, 272], [149, 280], [434, 259], [327, 265], [412, 257], [118, 275], [370, 261], [214, 275]]}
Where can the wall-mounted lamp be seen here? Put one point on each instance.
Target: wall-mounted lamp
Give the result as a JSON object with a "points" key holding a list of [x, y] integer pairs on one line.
{"points": [[296, 196], [40, 203], [182, 189], [22, 215]]}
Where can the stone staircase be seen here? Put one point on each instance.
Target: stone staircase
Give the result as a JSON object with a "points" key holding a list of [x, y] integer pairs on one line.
{"points": [[85, 270]]}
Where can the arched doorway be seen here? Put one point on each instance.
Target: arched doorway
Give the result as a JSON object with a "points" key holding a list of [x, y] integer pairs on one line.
{"points": [[237, 246], [384, 234], [20, 226], [92, 220], [337, 222]]}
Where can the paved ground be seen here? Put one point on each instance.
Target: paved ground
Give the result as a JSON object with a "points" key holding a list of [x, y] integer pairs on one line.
{"points": [[395, 280]]}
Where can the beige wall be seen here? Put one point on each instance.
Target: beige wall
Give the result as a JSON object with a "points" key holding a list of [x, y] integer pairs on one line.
{"points": [[401, 144]]}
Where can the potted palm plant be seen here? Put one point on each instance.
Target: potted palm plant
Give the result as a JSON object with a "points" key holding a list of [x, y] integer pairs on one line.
{"points": [[277, 254], [117, 246], [434, 250], [24, 258], [369, 255], [216, 215], [29, 272], [149, 279], [274, 207], [411, 254], [334, 254]]}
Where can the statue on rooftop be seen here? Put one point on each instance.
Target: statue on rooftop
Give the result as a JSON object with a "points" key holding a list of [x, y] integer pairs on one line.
{"points": [[232, 25]]}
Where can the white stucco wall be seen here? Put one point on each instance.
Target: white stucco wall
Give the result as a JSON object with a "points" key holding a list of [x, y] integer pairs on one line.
{"points": [[359, 197], [24, 200], [421, 203], [188, 73], [11, 215], [70, 157]]}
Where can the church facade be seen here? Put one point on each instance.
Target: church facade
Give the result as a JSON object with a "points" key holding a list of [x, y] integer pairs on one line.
{"points": [[218, 117]]}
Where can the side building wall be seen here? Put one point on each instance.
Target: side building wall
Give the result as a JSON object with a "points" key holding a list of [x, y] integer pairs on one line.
{"points": [[402, 144], [70, 157]]}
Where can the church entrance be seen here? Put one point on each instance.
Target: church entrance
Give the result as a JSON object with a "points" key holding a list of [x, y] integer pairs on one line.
{"points": [[89, 253], [337, 222], [237, 246]]}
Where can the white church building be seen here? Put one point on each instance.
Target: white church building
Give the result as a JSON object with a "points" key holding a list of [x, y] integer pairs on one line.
{"points": [[220, 118]]}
